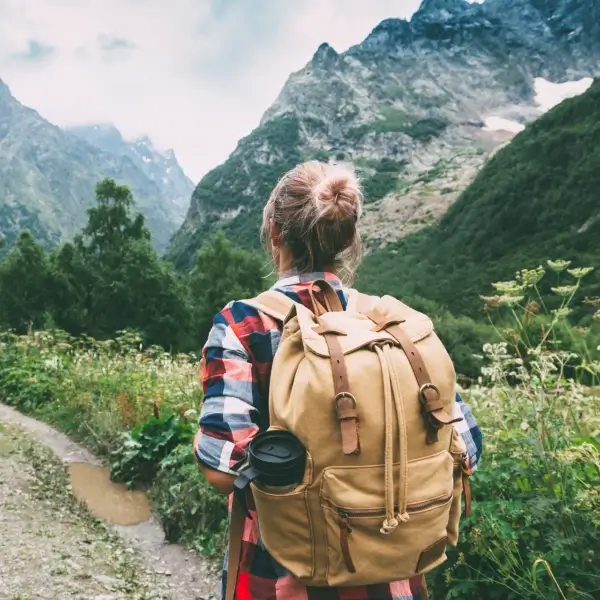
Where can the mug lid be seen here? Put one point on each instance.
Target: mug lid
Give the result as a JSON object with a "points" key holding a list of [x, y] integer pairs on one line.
{"points": [[275, 450]]}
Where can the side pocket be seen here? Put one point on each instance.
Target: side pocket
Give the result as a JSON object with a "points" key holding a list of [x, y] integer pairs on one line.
{"points": [[458, 450], [285, 526]]}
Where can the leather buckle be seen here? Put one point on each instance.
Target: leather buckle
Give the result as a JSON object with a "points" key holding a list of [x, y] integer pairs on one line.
{"points": [[423, 389], [341, 395]]}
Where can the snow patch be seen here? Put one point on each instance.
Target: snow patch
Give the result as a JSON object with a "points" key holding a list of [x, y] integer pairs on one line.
{"points": [[548, 94], [500, 124], [146, 159]]}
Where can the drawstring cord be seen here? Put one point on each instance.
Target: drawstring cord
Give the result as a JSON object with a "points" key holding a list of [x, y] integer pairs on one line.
{"points": [[400, 415], [393, 400]]}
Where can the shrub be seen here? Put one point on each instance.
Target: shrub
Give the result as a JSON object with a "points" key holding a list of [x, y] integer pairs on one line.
{"points": [[191, 511], [138, 458]]}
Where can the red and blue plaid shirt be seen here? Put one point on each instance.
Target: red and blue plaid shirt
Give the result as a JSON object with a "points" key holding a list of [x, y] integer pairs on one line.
{"points": [[238, 357]]}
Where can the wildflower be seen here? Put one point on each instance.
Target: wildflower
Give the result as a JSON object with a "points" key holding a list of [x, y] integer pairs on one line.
{"points": [[565, 291], [508, 287], [533, 307], [580, 273], [491, 301], [508, 300], [530, 277], [558, 265], [561, 313]]}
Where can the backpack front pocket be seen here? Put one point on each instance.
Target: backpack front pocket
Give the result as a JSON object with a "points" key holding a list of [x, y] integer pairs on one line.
{"points": [[358, 552]]}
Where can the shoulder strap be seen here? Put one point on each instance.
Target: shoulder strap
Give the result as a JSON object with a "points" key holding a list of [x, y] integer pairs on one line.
{"points": [[234, 555], [332, 300], [273, 303]]}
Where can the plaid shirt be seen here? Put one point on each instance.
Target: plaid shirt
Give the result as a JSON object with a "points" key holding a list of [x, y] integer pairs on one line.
{"points": [[238, 358]]}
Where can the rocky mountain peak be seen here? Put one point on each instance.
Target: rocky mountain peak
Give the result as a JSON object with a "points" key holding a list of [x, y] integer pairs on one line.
{"points": [[325, 56], [430, 6], [417, 107]]}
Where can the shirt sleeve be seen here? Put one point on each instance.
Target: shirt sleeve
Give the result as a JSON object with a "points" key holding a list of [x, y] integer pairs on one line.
{"points": [[229, 417], [470, 432]]}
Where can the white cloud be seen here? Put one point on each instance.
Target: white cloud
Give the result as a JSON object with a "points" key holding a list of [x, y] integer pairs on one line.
{"points": [[548, 94], [195, 75]]}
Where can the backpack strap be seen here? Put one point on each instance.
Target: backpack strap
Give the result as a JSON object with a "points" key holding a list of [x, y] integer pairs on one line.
{"points": [[273, 303], [435, 415], [234, 554], [332, 300]]}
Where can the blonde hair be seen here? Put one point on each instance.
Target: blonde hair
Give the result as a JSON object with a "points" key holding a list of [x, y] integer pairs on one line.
{"points": [[316, 207]]}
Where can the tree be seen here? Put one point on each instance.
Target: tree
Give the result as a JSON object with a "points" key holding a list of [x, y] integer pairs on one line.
{"points": [[222, 273], [110, 278], [25, 285]]}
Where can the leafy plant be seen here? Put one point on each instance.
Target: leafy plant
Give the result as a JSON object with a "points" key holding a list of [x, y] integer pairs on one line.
{"points": [[191, 511], [536, 494], [146, 445]]}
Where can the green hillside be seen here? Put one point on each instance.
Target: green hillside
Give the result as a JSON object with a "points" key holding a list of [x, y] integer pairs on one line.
{"points": [[537, 199]]}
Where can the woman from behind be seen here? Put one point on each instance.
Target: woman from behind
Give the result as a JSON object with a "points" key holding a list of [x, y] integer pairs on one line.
{"points": [[310, 227]]}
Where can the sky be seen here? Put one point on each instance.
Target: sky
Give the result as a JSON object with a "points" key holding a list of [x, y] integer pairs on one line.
{"points": [[194, 75]]}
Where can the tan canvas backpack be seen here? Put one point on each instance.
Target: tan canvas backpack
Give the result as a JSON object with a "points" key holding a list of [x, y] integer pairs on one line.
{"points": [[370, 393]]}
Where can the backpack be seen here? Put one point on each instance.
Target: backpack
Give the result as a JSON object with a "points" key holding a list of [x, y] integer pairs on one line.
{"points": [[370, 393]]}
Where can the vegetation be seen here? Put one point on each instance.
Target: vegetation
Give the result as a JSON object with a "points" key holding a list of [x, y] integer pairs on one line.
{"points": [[535, 199], [138, 408], [534, 531], [384, 180], [110, 279], [398, 121], [225, 195], [87, 328]]}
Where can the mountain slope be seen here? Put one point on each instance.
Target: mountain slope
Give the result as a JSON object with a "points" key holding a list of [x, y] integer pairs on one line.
{"points": [[160, 167], [537, 199], [408, 107], [48, 178]]}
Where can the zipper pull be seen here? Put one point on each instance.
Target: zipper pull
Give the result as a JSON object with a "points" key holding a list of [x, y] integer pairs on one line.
{"points": [[466, 473], [345, 520], [345, 531]]}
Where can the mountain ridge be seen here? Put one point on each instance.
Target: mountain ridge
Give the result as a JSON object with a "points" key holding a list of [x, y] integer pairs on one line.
{"points": [[407, 107], [48, 177], [535, 200]]}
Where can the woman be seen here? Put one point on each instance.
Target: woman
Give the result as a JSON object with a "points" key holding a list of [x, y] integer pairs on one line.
{"points": [[310, 229]]}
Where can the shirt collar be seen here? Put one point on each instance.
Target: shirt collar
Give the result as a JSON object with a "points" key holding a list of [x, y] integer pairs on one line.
{"points": [[294, 278]]}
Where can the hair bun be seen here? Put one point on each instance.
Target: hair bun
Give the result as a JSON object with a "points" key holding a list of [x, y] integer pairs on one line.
{"points": [[338, 195]]}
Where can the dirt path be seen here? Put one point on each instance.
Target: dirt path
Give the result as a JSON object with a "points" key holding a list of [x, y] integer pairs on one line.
{"points": [[52, 548]]}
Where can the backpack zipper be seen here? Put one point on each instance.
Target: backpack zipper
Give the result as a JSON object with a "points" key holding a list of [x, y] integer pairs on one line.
{"points": [[346, 514]]}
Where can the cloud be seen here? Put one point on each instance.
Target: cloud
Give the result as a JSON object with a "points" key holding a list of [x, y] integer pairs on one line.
{"points": [[111, 43], [195, 75], [35, 52]]}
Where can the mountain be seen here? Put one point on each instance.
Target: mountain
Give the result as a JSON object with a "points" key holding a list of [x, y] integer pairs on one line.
{"points": [[48, 176], [418, 107], [160, 167], [536, 199]]}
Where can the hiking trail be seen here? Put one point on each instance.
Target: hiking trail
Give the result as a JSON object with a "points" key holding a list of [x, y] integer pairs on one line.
{"points": [[68, 532]]}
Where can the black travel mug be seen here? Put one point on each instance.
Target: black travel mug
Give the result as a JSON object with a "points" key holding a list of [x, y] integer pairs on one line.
{"points": [[276, 461]]}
